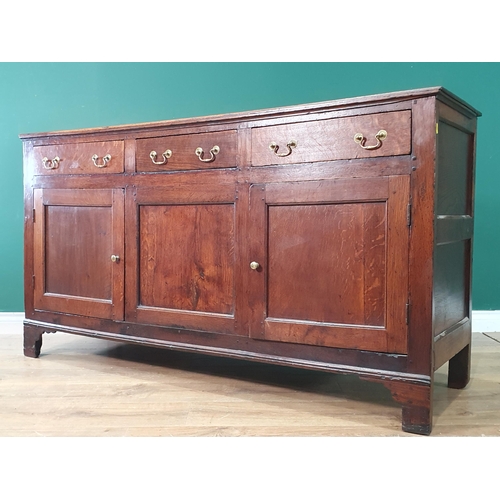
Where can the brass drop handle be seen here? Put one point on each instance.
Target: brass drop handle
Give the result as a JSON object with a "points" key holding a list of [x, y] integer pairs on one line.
{"points": [[254, 265], [381, 135], [213, 153], [51, 164], [166, 155], [115, 258], [290, 145], [105, 159]]}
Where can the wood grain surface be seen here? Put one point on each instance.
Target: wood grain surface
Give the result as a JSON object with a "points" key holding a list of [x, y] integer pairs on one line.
{"points": [[91, 387], [327, 257], [77, 158]]}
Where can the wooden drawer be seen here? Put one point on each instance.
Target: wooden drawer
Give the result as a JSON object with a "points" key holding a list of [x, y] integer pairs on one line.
{"points": [[187, 152], [80, 158], [333, 139]]}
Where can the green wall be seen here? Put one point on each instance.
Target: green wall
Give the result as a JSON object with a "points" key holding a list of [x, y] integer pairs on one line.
{"points": [[37, 97]]}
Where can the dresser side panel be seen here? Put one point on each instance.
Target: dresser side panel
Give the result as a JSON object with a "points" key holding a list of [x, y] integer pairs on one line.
{"points": [[454, 219]]}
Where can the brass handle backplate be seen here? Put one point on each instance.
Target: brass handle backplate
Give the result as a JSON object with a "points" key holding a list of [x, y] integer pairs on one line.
{"points": [[105, 159], [213, 153], [381, 135], [115, 258], [254, 265], [290, 145], [166, 155], [51, 164]]}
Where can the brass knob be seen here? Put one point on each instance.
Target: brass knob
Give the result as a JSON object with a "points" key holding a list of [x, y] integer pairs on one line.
{"points": [[115, 258], [254, 265]]}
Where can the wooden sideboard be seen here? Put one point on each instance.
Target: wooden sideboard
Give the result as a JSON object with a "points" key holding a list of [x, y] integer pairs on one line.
{"points": [[332, 236]]}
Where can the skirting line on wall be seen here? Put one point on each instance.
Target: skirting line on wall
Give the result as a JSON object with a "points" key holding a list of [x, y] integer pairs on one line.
{"points": [[482, 321], [486, 321], [11, 317]]}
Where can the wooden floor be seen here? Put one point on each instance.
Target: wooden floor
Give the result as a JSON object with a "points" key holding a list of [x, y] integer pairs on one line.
{"points": [[89, 387]]}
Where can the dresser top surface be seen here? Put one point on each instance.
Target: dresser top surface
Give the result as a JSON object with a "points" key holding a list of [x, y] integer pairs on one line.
{"points": [[353, 102]]}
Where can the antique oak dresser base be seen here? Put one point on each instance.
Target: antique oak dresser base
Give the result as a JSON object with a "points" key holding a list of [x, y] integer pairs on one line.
{"points": [[334, 236]]}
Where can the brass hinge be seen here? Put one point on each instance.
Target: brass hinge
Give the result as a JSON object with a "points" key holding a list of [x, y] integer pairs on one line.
{"points": [[33, 216], [437, 128], [408, 214], [407, 313]]}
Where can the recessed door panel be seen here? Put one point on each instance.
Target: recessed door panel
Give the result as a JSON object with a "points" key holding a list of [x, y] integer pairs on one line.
{"points": [[187, 258], [78, 246], [335, 252]]}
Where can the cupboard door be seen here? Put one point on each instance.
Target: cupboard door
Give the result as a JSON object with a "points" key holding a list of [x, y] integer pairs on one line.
{"points": [[78, 252], [185, 253], [329, 263]]}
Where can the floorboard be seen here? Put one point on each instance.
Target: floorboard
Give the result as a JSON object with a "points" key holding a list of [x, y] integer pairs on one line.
{"points": [[91, 387]]}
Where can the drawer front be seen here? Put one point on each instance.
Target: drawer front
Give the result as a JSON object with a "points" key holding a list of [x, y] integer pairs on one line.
{"points": [[187, 152], [333, 139], [80, 158]]}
